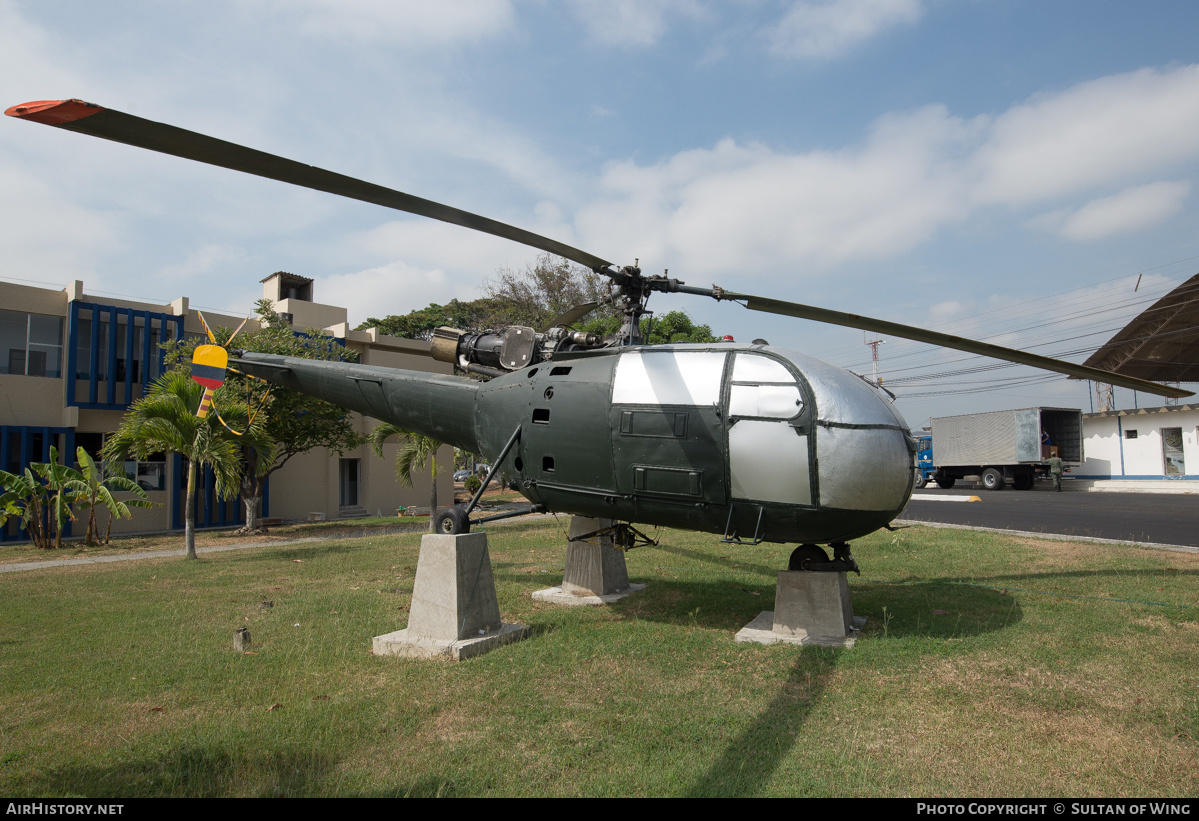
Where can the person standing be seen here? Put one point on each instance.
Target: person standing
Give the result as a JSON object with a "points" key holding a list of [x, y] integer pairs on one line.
{"points": [[1055, 470]]}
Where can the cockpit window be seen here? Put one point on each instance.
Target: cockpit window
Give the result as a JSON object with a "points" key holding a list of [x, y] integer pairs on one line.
{"points": [[753, 368], [763, 387], [773, 401]]}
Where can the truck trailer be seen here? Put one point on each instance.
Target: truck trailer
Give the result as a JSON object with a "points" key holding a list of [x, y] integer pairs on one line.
{"points": [[999, 447]]}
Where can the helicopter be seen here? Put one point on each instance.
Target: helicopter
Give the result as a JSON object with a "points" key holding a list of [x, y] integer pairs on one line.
{"points": [[754, 442]]}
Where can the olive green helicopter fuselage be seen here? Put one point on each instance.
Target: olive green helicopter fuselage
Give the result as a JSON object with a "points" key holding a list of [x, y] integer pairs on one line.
{"points": [[750, 441]]}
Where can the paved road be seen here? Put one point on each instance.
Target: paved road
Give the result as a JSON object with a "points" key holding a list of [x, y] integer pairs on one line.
{"points": [[1134, 517]]}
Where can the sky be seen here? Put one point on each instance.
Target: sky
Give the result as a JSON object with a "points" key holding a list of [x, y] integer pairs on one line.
{"points": [[1017, 171]]}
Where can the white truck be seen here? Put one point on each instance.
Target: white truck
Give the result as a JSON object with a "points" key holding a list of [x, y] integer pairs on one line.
{"points": [[1002, 446]]}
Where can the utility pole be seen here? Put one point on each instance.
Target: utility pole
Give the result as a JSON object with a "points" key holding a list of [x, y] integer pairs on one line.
{"points": [[874, 357]]}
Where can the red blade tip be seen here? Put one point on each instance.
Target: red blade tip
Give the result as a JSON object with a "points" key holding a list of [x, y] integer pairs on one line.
{"points": [[54, 112]]}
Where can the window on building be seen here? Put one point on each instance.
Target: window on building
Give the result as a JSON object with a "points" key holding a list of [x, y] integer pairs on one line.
{"points": [[150, 473], [30, 344], [84, 359], [1130, 434], [116, 351]]}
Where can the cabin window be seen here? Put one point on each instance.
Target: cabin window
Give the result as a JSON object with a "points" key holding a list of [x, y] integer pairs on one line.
{"points": [[541, 416], [669, 378], [560, 371], [547, 464]]}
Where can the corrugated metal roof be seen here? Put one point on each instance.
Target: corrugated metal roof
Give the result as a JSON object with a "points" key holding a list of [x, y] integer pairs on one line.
{"points": [[1161, 344]]}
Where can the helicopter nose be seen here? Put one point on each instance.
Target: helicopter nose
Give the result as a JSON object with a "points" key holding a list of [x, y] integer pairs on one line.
{"points": [[864, 450], [864, 468]]}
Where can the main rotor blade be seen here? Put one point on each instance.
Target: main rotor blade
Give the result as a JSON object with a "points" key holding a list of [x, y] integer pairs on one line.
{"points": [[88, 118], [571, 317], [865, 323]]}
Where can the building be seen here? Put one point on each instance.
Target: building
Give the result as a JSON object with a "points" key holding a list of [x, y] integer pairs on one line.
{"points": [[1145, 443], [71, 364]]}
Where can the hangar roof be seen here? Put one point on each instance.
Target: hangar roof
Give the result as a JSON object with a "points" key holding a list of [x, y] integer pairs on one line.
{"points": [[1161, 344]]}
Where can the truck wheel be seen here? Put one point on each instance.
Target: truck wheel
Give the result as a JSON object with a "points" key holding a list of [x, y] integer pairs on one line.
{"points": [[1023, 481], [451, 521], [992, 479], [946, 484], [921, 481]]}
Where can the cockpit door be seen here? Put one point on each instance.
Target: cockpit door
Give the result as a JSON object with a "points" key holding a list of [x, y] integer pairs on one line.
{"points": [[768, 436]]}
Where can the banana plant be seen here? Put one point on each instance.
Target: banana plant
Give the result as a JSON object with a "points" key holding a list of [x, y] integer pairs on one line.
{"points": [[96, 489], [25, 498], [61, 494]]}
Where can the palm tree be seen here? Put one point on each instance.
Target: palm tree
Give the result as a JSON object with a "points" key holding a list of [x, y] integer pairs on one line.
{"points": [[165, 420], [95, 489], [414, 452]]}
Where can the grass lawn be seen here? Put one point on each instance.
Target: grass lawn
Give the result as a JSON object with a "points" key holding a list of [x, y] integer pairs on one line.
{"points": [[990, 666]]}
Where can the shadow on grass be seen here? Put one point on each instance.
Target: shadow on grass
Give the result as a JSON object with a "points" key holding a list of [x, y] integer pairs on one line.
{"points": [[196, 771], [935, 610], [749, 761]]}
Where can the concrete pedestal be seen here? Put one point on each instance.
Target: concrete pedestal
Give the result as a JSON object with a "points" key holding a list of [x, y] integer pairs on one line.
{"points": [[595, 570], [809, 608], [454, 611]]}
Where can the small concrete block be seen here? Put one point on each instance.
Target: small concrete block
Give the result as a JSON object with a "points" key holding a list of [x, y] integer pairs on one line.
{"points": [[813, 604], [556, 595], [403, 643], [593, 567], [453, 596], [761, 631]]}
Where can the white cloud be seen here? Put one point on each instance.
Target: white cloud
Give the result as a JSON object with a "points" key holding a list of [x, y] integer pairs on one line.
{"points": [[1094, 134], [815, 30], [750, 208], [394, 288], [427, 244], [747, 207], [44, 234], [413, 23], [207, 259], [1130, 210], [633, 22]]}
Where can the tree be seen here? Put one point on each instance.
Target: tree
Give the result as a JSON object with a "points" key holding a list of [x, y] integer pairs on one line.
{"points": [[419, 324], [673, 327], [292, 422], [95, 489], [165, 420], [414, 451], [546, 289]]}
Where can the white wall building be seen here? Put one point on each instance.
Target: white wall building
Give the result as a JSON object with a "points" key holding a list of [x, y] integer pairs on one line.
{"points": [[1146, 443]]}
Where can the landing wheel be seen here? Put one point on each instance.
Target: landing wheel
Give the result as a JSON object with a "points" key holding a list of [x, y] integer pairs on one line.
{"points": [[451, 521], [805, 554]]}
